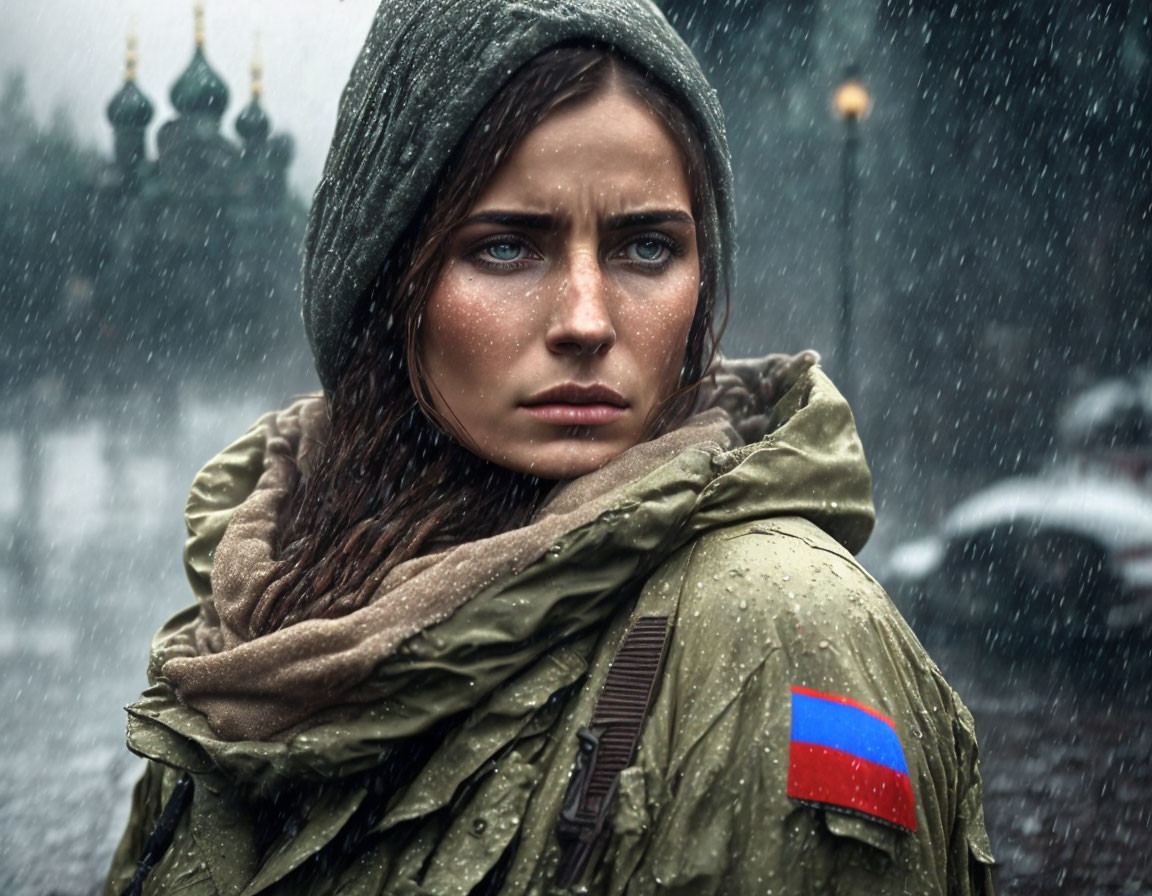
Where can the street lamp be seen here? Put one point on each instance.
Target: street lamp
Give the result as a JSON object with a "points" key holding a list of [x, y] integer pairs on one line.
{"points": [[852, 103]]}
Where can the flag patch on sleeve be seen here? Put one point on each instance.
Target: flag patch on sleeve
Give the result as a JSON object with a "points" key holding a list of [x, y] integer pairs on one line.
{"points": [[847, 757]]}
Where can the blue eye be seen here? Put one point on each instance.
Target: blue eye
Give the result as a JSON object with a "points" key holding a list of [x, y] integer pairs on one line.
{"points": [[504, 251], [649, 250]]}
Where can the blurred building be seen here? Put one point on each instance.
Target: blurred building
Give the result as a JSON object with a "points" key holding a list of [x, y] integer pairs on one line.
{"points": [[199, 270], [138, 276]]}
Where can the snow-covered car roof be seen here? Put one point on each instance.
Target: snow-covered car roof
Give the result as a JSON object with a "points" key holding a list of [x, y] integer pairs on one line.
{"points": [[1115, 513], [1114, 413]]}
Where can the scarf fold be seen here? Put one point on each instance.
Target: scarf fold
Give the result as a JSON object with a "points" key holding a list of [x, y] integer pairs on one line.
{"points": [[636, 508]]}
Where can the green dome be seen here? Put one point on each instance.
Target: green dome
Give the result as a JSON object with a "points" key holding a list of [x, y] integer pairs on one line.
{"points": [[200, 90], [129, 108], [252, 123]]}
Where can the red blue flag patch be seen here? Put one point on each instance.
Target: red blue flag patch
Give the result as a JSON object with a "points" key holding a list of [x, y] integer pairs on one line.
{"points": [[847, 757]]}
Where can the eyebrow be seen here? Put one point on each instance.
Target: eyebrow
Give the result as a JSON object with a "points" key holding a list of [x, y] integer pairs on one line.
{"points": [[530, 221], [649, 219]]}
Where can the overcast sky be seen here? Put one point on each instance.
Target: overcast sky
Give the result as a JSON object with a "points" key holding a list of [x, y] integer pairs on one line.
{"points": [[72, 52]]}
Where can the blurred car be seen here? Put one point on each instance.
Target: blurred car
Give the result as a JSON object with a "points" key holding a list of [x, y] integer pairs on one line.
{"points": [[1065, 557]]}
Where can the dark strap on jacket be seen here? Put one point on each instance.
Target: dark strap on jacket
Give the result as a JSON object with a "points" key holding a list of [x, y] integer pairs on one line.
{"points": [[608, 744], [161, 837]]}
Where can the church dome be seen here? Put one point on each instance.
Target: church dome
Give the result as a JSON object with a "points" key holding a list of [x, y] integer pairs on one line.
{"points": [[199, 90], [129, 108], [252, 123]]}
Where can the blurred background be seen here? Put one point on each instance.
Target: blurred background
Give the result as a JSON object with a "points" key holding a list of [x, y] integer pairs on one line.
{"points": [[949, 201]]}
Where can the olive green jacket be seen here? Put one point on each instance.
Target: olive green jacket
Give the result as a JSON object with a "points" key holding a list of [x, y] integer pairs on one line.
{"points": [[735, 547]]}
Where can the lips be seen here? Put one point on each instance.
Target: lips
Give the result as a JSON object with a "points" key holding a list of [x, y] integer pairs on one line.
{"points": [[575, 404], [577, 393]]}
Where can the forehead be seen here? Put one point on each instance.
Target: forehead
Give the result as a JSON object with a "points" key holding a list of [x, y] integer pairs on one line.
{"points": [[610, 149]]}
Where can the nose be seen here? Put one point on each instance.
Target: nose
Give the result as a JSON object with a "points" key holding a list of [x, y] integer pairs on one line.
{"points": [[582, 320]]}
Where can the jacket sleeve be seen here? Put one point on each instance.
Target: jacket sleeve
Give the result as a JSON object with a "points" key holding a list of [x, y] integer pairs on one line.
{"points": [[971, 860], [762, 610]]}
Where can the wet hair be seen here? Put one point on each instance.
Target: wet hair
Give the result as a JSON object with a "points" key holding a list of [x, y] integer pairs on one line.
{"points": [[390, 481]]}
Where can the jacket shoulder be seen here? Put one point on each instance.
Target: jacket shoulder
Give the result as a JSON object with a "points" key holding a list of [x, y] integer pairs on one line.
{"points": [[767, 609], [785, 579], [778, 604]]}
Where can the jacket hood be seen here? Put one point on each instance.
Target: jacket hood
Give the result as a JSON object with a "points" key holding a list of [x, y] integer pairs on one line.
{"points": [[426, 71], [544, 614]]}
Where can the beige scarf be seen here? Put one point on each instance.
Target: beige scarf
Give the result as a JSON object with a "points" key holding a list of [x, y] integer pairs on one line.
{"points": [[256, 687]]}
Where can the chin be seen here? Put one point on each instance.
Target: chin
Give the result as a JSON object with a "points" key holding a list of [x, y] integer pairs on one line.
{"points": [[561, 462]]}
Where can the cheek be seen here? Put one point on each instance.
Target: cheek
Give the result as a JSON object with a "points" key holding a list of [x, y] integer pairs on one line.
{"points": [[466, 331], [662, 328]]}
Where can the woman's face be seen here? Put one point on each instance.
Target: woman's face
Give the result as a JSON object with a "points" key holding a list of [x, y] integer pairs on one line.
{"points": [[560, 319]]}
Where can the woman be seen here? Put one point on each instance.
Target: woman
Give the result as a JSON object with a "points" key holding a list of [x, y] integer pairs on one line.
{"points": [[438, 605]]}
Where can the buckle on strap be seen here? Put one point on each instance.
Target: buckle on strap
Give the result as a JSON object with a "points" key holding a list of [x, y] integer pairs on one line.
{"points": [[582, 817]]}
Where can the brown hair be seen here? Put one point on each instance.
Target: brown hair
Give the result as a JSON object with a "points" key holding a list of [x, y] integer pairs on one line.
{"points": [[389, 482]]}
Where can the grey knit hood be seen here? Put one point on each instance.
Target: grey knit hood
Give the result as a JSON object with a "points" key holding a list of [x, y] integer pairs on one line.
{"points": [[427, 70]]}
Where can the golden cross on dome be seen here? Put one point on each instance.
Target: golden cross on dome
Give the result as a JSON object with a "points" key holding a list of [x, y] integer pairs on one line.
{"points": [[257, 69], [198, 14], [130, 55]]}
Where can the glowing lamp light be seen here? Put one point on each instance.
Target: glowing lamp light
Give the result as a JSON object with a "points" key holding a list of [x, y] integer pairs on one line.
{"points": [[852, 101]]}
